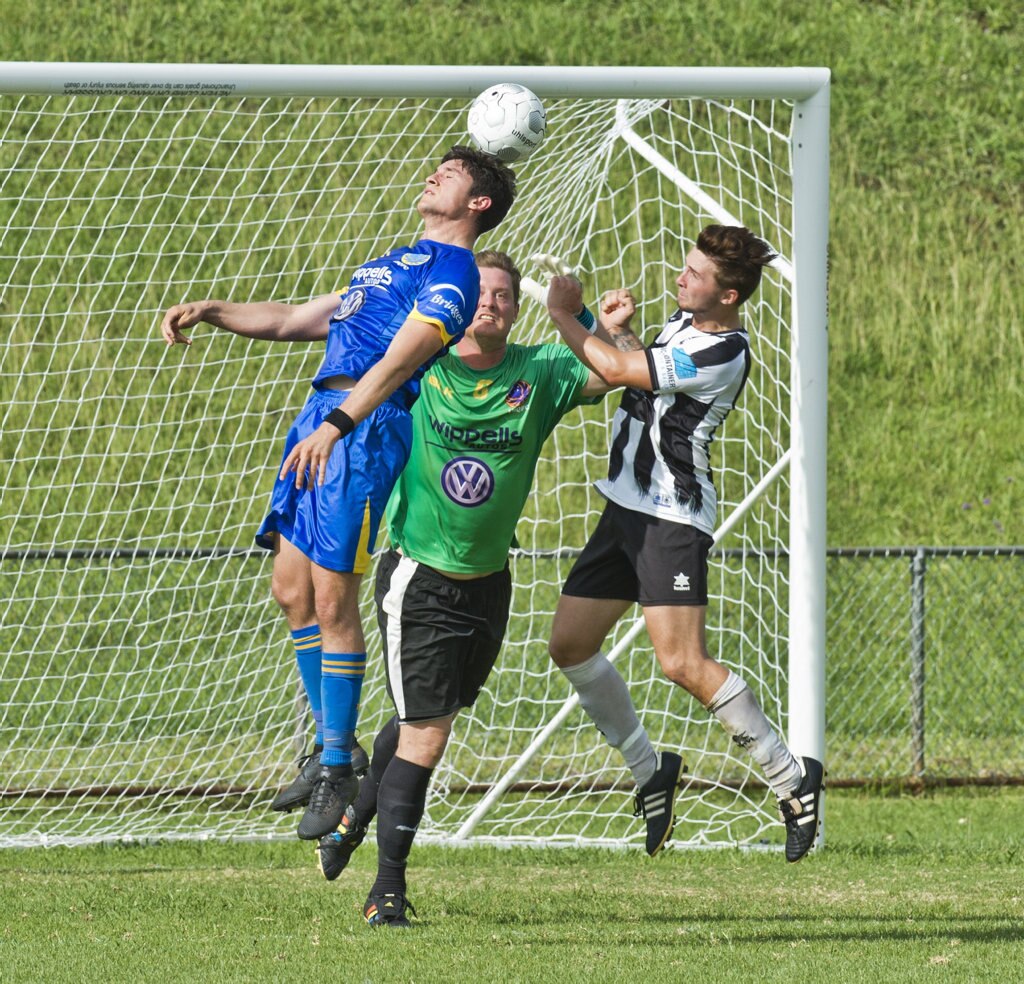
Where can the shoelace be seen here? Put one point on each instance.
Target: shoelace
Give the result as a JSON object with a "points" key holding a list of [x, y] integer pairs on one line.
{"points": [[639, 809], [788, 811], [323, 791]]}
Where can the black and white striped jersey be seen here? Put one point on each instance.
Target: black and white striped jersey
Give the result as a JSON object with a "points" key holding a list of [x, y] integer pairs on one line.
{"points": [[660, 453]]}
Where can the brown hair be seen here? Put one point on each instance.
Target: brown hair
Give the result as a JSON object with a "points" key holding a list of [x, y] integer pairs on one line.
{"points": [[501, 261], [491, 177], [738, 256]]}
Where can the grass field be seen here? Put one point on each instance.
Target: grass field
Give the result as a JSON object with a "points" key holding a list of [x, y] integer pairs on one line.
{"points": [[909, 889]]}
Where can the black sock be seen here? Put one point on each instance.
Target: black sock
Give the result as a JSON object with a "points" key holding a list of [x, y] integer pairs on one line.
{"points": [[401, 799], [384, 747]]}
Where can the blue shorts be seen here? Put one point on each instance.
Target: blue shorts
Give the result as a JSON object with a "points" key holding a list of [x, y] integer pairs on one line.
{"points": [[335, 524]]}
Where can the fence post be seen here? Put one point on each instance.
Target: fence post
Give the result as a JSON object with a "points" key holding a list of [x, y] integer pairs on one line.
{"points": [[917, 571]]}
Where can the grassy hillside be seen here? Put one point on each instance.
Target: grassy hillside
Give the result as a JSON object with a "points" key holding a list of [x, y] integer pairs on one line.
{"points": [[927, 330]]}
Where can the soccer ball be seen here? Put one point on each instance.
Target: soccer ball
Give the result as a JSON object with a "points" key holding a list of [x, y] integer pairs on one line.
{"points": [[507, 120]]}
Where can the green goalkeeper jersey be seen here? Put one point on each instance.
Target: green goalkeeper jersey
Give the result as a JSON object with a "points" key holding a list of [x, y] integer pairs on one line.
{"points": [[476, 439]]}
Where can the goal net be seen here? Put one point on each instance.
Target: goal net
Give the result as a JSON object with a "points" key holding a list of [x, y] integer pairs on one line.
{"points": [[147, 683]]}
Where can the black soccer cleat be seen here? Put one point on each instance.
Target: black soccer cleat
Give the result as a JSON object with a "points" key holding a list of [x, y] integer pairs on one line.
{"points": [[298, 793], [335, 788], [387, 911], [334, 850], [800, 810], [656, 800]]}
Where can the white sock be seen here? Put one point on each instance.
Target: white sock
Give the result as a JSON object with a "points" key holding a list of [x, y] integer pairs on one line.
{"points": [[736, 707], [605, 697]]}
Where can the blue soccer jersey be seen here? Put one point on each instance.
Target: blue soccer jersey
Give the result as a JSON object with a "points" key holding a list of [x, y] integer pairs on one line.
{"points": [[433, 282]]}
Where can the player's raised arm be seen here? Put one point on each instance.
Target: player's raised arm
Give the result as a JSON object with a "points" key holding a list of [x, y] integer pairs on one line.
{"points": [[615, 367], [413, 345], [616, 311], [269, 320], [612, 327]]}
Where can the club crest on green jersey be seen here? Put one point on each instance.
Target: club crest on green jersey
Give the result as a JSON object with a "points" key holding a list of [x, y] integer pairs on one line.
{"points": [[518, 395]]}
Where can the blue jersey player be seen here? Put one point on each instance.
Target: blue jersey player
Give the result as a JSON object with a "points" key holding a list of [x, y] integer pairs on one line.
{"points": [[346, 448]]}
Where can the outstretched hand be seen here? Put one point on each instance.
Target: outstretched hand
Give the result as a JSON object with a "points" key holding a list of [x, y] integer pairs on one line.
{"points": [[179, 318], [553, 266], [308, 459]]}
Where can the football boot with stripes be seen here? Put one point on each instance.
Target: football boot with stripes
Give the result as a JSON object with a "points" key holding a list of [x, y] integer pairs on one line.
{"points": [[388, 911], [656, 800], [800, 810], [334, 850], [301, 788]]}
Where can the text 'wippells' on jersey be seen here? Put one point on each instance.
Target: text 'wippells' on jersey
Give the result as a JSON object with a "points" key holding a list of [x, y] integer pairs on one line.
{"points": [[433, 282], [477, 435], [660, 460]]}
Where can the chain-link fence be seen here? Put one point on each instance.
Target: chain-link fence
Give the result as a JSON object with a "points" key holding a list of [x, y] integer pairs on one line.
{"points": [[922, 658], [923, 677]]}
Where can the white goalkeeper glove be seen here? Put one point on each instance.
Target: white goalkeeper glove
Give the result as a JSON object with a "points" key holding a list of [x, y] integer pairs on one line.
{"points": [[554, 266]]}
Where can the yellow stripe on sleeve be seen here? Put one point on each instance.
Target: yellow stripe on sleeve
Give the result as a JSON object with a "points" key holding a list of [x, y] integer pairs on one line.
{"points": [[446, 337]]}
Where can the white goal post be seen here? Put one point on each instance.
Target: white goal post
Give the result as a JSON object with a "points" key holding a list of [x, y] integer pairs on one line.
{"points": [[147, 686]]}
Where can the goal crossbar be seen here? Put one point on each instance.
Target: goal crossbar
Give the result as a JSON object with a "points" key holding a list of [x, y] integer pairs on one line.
{"points": [[613, 82]]}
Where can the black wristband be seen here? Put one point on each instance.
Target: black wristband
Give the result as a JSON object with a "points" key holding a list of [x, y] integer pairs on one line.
{"points": [[341, 420]]}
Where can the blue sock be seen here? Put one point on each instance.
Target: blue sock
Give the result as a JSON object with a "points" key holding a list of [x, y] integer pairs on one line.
{"points": [[307, 655], [341, 684]]}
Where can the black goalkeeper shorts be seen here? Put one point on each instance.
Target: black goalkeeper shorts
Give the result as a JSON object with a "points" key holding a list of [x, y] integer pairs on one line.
{"points": [[441, 636]]}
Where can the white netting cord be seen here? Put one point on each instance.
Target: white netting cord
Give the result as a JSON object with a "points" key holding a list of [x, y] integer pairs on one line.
{"points": [[153, 695]]}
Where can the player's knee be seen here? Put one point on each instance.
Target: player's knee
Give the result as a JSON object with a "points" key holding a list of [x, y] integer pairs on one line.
{"points": [[332, 611], [564, 650], [424, 745], [683, 668], [295, 600]]}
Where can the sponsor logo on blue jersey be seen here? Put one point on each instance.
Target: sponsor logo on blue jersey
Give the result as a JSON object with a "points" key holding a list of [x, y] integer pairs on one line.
{"points": [[517, 396], [467, 481], [373, 276], [453, 307], [351, 302]]}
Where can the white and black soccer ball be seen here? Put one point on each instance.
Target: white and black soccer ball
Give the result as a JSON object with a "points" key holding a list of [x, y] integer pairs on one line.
{"points": [[507, 120]]}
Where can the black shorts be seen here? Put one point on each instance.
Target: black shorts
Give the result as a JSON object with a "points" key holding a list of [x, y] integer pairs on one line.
{"points": [[635, 557], [441, 636]]}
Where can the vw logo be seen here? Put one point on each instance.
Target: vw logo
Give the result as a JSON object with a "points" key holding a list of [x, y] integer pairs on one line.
{"points": [[350, 303], [467, 481]]}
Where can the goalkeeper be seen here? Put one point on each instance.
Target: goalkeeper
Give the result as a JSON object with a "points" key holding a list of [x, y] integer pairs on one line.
{"points": [[443, 591], [351, 440]]}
